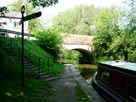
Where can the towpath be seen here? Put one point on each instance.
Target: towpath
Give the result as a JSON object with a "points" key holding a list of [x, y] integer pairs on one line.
{"points": [[65, 87]]}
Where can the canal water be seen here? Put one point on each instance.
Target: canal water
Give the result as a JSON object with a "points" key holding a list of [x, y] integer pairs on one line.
{"points": [[87, 71]]}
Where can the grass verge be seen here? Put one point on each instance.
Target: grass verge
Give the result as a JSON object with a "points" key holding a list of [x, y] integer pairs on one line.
{"points": [[81, 95], [34, 91]]}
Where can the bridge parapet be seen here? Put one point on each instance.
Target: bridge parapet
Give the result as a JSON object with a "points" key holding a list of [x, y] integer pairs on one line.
{"points": [[74, 39]]}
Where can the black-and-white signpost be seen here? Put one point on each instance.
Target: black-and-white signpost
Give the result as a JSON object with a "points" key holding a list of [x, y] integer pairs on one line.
{"points": [[29, 17]]}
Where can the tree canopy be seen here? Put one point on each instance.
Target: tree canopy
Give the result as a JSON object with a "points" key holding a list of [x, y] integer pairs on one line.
{"points": [[78, 20], [115, 38], [43, 3], [3, 10], [107, 27]]}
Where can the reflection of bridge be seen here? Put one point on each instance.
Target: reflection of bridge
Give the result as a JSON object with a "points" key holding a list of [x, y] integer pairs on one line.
{"points": [[81, 43]]}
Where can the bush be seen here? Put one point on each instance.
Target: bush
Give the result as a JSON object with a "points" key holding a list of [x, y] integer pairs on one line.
{"points": [[50, 41], [101, 59]]}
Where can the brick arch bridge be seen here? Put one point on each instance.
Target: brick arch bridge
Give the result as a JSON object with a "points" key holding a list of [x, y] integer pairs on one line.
{"points": [[81, 43]]}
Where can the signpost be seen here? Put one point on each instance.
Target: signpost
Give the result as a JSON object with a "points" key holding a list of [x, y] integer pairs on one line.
{"points": [[29, 17]]}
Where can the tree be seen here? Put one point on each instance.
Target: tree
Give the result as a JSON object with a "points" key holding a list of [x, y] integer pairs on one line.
{"points": [[16, 6], [129, 30], [3, 10], [129, 9], [107, 27], [116, 29], [78, 20]]}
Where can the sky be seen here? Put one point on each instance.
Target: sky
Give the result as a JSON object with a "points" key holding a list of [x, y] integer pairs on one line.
{"points": [[5, 2]]}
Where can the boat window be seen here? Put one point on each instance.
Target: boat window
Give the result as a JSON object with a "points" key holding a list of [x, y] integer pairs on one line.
{"points": [[105, 76], [131, 89]]}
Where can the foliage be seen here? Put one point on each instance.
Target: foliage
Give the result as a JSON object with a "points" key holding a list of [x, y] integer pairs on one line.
{"points": [[50, 41], [126, 39], [15, 6], [43, 3], [71, 56], [78, 20], [3, 10], [116, 33], [107, 26], [129, 10], [35, 3]]}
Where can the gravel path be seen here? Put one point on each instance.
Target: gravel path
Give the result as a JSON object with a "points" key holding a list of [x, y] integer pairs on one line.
{"points": [[65, 87]]}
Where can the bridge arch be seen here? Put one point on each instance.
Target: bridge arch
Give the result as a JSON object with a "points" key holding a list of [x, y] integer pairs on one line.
{"points": [[87, 56], [80, 43]]}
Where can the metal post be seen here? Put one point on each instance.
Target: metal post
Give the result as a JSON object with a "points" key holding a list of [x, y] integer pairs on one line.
{"points": [[29, 17], [39, 66], [22, 57], [48, 66]]}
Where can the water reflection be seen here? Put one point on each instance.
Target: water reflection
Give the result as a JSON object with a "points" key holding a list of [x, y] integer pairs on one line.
{"points": [[87, 66], [87, 71]]}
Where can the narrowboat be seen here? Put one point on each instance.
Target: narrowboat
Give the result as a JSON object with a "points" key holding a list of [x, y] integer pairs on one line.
{"points": [[116, 81]]}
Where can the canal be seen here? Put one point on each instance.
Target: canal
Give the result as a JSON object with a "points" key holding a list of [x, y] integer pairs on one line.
{"points": [[87, 71]]}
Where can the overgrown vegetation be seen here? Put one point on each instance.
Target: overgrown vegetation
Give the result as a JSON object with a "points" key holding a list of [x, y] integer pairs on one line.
{"points": [[10, 73], [81, 95]]}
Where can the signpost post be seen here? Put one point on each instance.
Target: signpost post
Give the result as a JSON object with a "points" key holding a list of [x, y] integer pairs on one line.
{"points": [[29, 17]]}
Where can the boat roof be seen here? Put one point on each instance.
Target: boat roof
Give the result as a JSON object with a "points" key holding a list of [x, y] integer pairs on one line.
{"points": [[121, 65]]}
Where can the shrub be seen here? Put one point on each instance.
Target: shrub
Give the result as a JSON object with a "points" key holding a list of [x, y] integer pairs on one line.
{"points": [[50, 41]]}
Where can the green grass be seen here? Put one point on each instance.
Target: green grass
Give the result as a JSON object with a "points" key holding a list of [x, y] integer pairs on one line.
{"points": [[10, 75], [34, 54], [34, 91], [81, 95]]}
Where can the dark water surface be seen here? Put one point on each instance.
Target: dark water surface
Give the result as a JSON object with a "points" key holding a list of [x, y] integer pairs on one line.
{"points": [[87, 70]]}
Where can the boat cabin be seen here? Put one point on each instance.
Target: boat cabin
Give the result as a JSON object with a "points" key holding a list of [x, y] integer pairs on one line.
{"points": [[116, 81]]}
